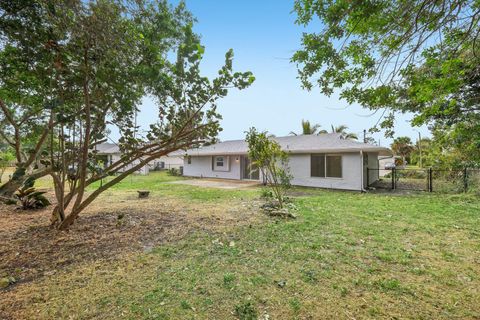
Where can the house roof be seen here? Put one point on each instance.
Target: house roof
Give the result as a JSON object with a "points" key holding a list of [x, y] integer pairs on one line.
{"points": [[322, 143], [112, 148], [107, 148]]}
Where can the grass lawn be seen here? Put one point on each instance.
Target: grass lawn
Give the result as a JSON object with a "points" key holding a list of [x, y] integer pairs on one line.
{"points": [[346, 256]]}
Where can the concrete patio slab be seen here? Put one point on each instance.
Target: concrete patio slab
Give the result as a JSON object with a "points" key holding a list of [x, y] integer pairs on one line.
{"points": [[218, 183]]}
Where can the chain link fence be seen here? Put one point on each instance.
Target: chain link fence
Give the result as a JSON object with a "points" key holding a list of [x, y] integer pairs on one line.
{"points": [[429, 180]]}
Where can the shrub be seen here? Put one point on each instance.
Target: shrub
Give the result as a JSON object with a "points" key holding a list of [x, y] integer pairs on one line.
{"points": [[173, 172], [29, 197], [246, 311], [266, 194], [272, 161]]}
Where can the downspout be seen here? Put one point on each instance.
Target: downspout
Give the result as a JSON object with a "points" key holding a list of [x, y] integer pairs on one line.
{"points": [[362, 189]]}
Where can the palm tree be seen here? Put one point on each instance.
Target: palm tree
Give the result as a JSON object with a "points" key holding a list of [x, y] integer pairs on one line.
{"points": [[342, 130], [308, 128], [402, 146]]}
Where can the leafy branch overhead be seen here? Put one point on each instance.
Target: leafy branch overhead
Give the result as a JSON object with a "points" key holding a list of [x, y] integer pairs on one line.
{"points": [[417, 56]]}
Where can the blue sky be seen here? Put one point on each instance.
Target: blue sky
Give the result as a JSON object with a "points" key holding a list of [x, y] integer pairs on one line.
{"points": [[264, 37]]}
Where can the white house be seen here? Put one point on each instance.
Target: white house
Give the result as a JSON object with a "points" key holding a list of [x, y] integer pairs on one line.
{"points": [[171, 160], [324, 161], [109, 153]]}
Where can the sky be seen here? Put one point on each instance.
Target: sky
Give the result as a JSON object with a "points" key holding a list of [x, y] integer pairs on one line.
{"points": [[264, 36]]}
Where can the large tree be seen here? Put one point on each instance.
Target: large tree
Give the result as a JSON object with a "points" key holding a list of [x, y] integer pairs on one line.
{"points": [[102, 57], [27, 64], [391, 56]]}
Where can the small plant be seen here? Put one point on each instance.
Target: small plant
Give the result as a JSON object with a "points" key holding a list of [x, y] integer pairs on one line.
{"points": [[185, 305], [266, 194], [29, 197], [173, 172], [228, 280], [295, 305], [272, 161], [246, 311]]}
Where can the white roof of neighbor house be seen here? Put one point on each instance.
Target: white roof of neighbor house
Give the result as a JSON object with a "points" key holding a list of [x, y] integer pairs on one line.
{"points": [[322, 143], [112, 148], [107, 148]]}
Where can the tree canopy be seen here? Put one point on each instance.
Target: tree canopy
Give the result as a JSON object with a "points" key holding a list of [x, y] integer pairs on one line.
{"points": [[87, 66], [417, 56]]}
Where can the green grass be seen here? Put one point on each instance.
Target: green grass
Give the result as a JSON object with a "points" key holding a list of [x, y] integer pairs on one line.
{"points": [[347, 255]]}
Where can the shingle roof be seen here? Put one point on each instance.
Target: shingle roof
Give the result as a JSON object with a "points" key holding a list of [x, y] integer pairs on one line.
{"points": [[329, 142], [112, 148]]}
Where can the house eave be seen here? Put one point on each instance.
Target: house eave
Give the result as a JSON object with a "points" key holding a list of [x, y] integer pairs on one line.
{"points": [[381, 151]]}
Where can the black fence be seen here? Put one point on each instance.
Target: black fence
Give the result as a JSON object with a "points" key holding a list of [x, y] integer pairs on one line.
{"points": [[428, 179]]}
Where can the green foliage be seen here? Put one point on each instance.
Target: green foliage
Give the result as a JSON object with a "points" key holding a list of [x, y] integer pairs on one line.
{"points": [[29, 197], [272, 161], [266, 193], [402, 146], [174, 172], [344, 134], [246, 311], [308, 128], [70, 69], [426, 65]]}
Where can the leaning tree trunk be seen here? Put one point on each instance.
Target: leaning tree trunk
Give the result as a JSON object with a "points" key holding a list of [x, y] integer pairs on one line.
{"points": [[9, 188]]}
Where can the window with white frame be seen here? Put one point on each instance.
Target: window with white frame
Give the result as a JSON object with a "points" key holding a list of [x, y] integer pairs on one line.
{"points": [[220, 163], [326, 165]]}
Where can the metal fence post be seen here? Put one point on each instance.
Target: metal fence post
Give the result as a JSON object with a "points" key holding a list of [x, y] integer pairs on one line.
{"points": [[368, 177], [430, 178], [465, 180], [393, 178]]}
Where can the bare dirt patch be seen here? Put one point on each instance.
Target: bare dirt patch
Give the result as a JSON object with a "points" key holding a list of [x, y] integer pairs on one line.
{"points": [[218, 183], [116, 224]]}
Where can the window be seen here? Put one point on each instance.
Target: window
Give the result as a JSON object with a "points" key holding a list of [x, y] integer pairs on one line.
{"points": [[318, 165], [326, 166], [334, 166], [220, 163], [189, 159]]}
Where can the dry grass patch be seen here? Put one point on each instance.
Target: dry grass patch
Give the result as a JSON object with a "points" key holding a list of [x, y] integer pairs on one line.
{"points": [[116, 226]]}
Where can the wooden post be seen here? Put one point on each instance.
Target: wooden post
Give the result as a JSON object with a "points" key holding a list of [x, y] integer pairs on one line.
{"points": [[465, 180]]}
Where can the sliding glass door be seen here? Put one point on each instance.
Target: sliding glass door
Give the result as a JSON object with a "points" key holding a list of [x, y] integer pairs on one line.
{"points": [[249, 170]]}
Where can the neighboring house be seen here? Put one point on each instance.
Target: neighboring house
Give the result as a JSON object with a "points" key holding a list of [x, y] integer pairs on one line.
{"points": [[172, 160], [324, 161], [108, 153]]}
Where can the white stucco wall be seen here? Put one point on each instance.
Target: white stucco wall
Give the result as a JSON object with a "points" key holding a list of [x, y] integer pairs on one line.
{"points": [[202, 167], [169, 162], [143, 170], [372, 164], [299, 164], [351, 173]]}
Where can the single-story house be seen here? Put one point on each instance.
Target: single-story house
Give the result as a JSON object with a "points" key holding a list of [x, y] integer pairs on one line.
{"points": [[109, 153], [324, 161], [171, 160]]}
